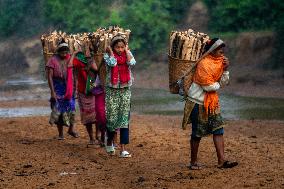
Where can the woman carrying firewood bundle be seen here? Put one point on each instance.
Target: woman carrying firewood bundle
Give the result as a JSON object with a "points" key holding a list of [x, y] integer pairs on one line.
{"points": [[118, 82], [202, 105], [90, 97], [60, 81]]}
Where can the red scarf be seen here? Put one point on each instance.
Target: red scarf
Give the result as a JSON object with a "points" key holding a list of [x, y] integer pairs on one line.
{"points": [[120, 73], [69, 80]]}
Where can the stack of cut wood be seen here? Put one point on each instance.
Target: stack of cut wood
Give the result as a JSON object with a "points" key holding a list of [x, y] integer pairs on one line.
{"points": [[187, 45], [185, 48], [102, 37], [90, 43]]}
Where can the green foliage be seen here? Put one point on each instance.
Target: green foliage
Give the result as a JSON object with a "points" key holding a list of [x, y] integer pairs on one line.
{"points": [[149, 20], [253, 15], [15, 20], [150, 23], [76, 16], [231, 15], [279, 50]]}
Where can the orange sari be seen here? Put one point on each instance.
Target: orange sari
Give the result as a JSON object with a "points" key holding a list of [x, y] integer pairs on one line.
{"points": [[208, 71]]}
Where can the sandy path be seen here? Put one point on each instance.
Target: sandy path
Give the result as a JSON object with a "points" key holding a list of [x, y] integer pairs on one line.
{"points": [[31, 158]]}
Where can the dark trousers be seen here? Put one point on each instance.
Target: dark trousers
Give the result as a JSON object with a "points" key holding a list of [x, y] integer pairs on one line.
{"points": [[124, 135]]}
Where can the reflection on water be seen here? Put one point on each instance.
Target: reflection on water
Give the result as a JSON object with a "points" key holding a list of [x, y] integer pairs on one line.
{"points": [[150, 101], [24, 112], [24, 81], [144, 101]]}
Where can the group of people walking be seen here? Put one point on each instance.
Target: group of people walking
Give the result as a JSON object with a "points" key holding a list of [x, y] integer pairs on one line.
{"points": [[108, 107]]}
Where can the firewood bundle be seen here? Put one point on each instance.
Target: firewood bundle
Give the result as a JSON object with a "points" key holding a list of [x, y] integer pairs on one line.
{"points": [[102, 37], [187, 45], [90, 43], [185, 48]]}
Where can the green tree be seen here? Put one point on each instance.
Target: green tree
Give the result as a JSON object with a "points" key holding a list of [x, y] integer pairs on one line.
{"points": [[18, 17], [76, 16], [150, 23], [231, 15]]}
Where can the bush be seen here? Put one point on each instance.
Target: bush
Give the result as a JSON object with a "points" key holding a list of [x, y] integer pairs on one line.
{"points": [[23, 18]]}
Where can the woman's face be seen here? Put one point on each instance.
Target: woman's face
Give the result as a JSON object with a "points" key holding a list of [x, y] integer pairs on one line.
{"points": [[62, 54], [218, 52], [119, 47]]}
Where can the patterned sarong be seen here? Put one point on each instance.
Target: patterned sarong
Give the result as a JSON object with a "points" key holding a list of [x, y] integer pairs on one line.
{"points": [[87, 108], [207, 123], [63, 110], [117, 107]]}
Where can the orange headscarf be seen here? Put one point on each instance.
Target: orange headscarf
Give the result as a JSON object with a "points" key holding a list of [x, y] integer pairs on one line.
{"points": [[208, 71]]}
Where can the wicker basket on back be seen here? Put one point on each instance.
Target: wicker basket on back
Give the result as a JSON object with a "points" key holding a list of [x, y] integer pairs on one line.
{"points": [[177, 70], [185, 49], [99, 59], [47, 56]]}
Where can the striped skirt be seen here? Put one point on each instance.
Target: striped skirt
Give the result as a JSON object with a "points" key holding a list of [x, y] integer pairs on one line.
{"points": [[87, 108]]}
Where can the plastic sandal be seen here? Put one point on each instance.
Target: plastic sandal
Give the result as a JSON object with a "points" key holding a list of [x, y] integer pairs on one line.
{"points": [[73, 134], [60, 138], [110, 150], [125, 154], [195, 166], [228, 164]]}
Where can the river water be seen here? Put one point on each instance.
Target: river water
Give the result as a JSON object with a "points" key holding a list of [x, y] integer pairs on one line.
{"points": [[144, 101]]}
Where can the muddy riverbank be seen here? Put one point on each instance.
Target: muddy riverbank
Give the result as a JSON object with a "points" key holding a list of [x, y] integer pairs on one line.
{"points": [[30, 157]]}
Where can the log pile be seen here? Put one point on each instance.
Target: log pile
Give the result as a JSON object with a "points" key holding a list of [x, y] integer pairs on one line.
{"points": [[187, 45], [90, 43], [185, 48], [93, 45]]}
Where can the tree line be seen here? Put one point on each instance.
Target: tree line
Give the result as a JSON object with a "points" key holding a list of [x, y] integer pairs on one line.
{"points": [[150, 20]]}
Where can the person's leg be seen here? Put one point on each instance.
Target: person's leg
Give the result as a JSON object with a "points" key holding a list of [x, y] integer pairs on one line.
{"points": [[112, 111], [100, 117], [115, 138], [59, 125], [124, 138], [60, 132], [98, 132], [71, 130], [194, 146], [103, 135], [125, 117], [89, 128], [110, 136], [109, 147], [194, 141], [219, 145]]}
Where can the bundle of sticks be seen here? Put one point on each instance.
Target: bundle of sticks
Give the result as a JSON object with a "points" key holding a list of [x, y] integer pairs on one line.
{"points": [[187, 45], [90, 43]]}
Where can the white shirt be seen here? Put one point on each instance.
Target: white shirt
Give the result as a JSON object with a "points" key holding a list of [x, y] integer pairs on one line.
{"points": [[196, 92]]}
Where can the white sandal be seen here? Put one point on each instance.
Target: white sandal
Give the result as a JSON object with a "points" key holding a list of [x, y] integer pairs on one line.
{"points": [[125, 154], [110, 150]]}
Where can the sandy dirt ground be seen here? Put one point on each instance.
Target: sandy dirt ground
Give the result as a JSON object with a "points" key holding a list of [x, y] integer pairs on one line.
{"points": [[30, 156]]}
